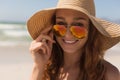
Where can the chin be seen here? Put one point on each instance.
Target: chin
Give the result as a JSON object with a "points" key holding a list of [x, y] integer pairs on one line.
{"points": [[70, 51]]}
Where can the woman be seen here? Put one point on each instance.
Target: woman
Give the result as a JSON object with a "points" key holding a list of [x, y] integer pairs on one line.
{"points": [[70, 42]]}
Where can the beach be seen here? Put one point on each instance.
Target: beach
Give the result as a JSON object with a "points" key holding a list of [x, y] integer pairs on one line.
{"points": [[15, 59], [15, 62], [113, 56]]}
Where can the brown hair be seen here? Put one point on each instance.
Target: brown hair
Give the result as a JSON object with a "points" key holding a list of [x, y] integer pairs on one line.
{"points": [[92, 67], [91, 61]]}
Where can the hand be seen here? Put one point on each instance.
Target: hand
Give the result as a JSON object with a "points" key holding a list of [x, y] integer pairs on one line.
{"points": [[41, 47]]}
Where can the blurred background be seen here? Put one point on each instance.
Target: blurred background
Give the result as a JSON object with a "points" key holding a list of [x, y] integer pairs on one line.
{"points": [[15, 60]]}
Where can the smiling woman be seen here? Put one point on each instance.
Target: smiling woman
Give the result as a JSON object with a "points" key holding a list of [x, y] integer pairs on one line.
{"points": [[70, 43]]}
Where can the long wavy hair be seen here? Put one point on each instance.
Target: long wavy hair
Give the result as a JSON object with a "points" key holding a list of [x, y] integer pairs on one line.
{"points": [[91, 62]]}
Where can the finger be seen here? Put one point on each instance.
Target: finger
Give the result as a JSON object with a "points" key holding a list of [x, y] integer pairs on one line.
{"points": [[43, 49], [49, 47], [39, 38], [48, 51], [46, 30], [51, 34], [43, 36], [36, 47], [51, 43], [50, 37]]}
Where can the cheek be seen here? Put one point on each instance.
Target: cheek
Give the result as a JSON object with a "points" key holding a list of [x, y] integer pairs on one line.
{"points": [[82, 42]]}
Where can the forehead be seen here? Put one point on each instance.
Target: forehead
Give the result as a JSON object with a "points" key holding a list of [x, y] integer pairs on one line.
{"points": [[70, 13]]}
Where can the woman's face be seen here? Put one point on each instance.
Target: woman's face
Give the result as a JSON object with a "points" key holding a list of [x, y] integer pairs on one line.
{"points": [[69, 43]]}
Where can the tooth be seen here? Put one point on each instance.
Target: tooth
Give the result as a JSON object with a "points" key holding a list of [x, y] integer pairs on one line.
{"points": [[69, 41]]}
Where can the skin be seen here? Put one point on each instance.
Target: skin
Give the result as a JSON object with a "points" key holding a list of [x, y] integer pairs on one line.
{"points": [[41, 50]]}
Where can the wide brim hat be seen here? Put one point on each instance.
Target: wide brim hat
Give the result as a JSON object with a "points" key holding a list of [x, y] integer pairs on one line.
{"points": [[43, 19]]}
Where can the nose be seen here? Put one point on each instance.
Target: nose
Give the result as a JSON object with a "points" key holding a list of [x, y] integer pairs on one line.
{"points": [[68, 34]]}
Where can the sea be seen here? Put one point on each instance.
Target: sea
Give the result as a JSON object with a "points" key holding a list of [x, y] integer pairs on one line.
{"points": [[13, 34]]}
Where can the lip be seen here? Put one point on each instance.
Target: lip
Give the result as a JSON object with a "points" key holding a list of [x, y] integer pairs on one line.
{"points": [[69, 41]]}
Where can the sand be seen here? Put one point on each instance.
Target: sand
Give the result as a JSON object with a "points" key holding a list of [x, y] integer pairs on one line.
{"points": [[16, 62]]}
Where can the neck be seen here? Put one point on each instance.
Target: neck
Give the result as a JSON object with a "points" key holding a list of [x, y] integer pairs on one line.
{"points": [[71, 60]]}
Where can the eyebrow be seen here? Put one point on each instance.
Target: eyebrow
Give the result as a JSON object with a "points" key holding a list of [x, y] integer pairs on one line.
{"points": [[80, 18], [60, 18]]}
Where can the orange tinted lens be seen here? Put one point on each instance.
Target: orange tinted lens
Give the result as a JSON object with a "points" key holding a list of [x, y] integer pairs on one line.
{"points": [[79, 32], [59, 30]]}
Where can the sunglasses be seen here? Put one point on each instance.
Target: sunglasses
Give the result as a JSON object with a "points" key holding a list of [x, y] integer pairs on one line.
{"points": [[77, 31]]}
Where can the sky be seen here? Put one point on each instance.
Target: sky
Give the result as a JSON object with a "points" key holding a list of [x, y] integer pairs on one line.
{"points": [[21, 10]]}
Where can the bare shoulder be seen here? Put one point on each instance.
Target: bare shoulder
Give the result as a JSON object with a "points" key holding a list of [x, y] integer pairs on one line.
{"points": [[112, 72]]}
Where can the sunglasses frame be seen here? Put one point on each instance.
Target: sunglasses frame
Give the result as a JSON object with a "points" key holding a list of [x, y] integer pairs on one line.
{"points": [[62, 35]]}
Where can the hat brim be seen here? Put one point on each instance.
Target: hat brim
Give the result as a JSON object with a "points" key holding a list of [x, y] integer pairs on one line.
{"points": [[43, 18]]}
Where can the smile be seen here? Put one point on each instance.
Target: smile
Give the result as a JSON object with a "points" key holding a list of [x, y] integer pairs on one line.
{"points": [[70, 41]]}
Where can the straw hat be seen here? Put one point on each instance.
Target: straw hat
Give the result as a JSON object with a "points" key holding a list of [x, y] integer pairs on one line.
{"points": [[43, 18]]}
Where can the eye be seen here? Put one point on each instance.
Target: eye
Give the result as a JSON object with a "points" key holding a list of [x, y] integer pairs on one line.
{"points": [[61, 23], [78, 24]]}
